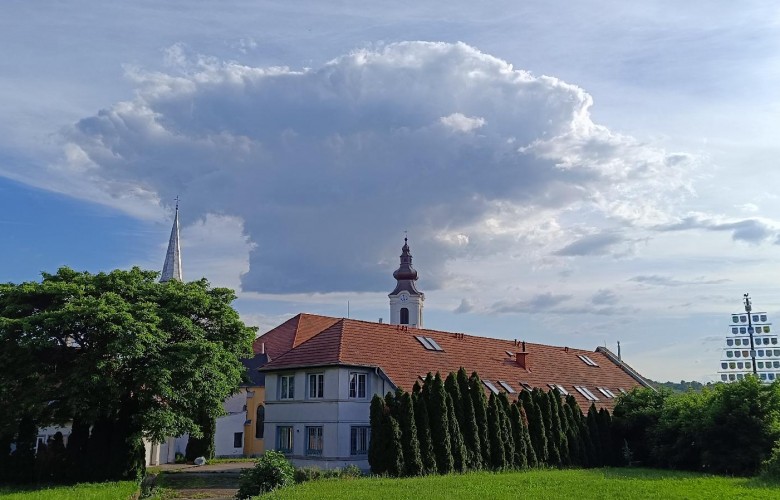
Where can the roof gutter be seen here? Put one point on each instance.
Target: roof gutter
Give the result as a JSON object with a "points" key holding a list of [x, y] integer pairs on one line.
{"points": [[630, 371]]}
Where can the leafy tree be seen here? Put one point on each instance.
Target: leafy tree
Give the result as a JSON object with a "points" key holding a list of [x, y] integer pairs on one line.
{"points": [[411, 445], [457, 445], [123, 354], [427, 455], [498, 459], [202, 446], [378, 446], [470, 429], [635, 416], [478, 398], [440, 426]]}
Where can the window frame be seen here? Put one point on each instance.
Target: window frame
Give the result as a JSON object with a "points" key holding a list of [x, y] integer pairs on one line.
{"points": [[318, 385], [289, 432], [238, 436], [354, 378], [287, 382], [358, 434], [319, 439], [260, 421]]}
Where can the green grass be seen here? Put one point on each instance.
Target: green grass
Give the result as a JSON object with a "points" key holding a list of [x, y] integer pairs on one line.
{"points": [[541, 484], [87, 491]]}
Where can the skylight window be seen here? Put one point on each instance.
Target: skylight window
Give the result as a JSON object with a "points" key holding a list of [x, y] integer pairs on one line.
{"points": [[587, 360], [560, 388], [528, 387], [507, 387], [510, 354], [428, 343], [622, 391], [490, 386], [606, 392], [586, 393]]}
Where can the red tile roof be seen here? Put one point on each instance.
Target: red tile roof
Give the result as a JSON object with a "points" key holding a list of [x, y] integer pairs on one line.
{"points": [[291, 333], [395, 350]]}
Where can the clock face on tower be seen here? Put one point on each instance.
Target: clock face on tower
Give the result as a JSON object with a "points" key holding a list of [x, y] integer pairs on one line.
{"points": [[403, 298]]}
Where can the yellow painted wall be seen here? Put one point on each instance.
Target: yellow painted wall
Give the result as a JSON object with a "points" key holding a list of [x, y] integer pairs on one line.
{"points": [[252, 445]]}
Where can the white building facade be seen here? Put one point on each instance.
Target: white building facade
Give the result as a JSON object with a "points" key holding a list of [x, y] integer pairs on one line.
{"points": [[319, 416]]}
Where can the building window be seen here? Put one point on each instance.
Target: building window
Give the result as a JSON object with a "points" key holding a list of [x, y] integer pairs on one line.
{"points": [[260, 422], [286, 386], [284, 438], [723, 377], [404, 316], [357, 385], [358, 440], [316, 385], [314, 440], [238, 440], [729, 342]]}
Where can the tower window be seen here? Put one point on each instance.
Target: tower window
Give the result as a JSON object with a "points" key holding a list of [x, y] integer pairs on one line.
{"points": [[404, 315]]}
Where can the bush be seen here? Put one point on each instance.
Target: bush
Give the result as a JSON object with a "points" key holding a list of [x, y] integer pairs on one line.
{"points": [[771, 466], [350, 472], [271, 471]]}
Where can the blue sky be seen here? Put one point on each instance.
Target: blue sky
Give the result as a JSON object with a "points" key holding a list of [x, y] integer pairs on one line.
{"points": [[576, 174]]}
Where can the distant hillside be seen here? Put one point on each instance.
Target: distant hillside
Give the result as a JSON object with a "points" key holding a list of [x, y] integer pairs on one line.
{"points": [[680, 386]]}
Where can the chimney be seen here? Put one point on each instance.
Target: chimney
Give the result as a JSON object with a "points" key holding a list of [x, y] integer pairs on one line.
{"points": [[262, 348], [380, 321], [522, 358], [619, 358]]}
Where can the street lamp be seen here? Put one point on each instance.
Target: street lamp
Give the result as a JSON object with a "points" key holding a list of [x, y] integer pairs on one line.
{"points": [[748, 309]]}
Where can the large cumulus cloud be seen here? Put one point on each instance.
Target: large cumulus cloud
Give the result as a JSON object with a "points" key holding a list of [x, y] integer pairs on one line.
{"points": [[328, 166]]}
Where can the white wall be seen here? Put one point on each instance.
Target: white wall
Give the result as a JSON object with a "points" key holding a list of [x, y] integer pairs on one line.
{"points": [[335, 412]]}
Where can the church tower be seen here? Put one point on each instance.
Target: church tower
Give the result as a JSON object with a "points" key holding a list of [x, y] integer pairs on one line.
{"points": [[406, 302], [172, 266]]}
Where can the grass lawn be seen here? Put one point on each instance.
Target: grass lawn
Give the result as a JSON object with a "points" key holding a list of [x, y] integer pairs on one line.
{"points": [[541, 484], [87, 491]]}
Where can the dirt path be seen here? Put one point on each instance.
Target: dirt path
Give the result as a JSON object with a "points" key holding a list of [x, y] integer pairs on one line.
{"points": [[198, 485]]}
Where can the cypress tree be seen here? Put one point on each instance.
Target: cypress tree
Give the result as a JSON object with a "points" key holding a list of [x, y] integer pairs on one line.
{"points": [[558, 426], [395, 456], [392, 402], [497, 453], [573, 437], [453, 389], [520, 459], [411, 444], [477, 392], [529, 447], [459, 454], [469, 429], [536, 428], [593, 429], [377, 447], [424, 434], [507, 436], [440, 426], [608, 451], [543, 402]]}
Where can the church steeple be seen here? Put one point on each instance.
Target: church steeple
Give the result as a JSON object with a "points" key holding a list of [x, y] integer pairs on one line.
{"points": [[172, 266], [406, 302]]}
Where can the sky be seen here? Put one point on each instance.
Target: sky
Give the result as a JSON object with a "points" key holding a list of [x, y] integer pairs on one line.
{"points": [[577, 174]]}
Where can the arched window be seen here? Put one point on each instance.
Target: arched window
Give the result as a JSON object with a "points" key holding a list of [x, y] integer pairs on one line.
{"points": [[404, 316], [260, 422]]}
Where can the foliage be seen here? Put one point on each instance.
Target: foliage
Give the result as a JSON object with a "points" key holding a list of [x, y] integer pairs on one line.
{"points": [[411, 445], [469, 428], [725, 429], [440, 433], [202, 446], [120, 354], [479, 400], [424, 433], [770, 469], [271, 471], [377, 447]]}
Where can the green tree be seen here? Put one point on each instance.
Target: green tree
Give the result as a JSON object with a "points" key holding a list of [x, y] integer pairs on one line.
{"points": [[542, 401], [440, 425], [202, 446], [480, 402], [395, 452], [427, 455], [377, 446], [457, 445], [498, 459], [635, 417], [470, 429], [535, 427], [122, 353], [507, 437], [411, 444], [520, 459], [526, 435]]}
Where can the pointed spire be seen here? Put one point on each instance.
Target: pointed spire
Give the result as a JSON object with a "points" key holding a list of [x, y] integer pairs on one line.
{"points": [[406, 275], [172, 267]]}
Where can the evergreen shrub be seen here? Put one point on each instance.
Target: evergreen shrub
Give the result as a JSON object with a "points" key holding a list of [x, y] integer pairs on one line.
{"points": [[271, 471]]}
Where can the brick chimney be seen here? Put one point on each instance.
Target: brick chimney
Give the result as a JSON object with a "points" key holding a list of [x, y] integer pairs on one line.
{"points": [[522, 359]]}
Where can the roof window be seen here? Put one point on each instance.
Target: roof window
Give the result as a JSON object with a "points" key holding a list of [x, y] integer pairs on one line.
{"points": [[490, 386], [507, 387], [560, 388], [428, 343], [609, 394], [586, 393], [587, 360], [528, 387]]}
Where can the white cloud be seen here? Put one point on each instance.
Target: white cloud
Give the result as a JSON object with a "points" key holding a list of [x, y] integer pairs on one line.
{"points": [[326, 167], [462, 123]]}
